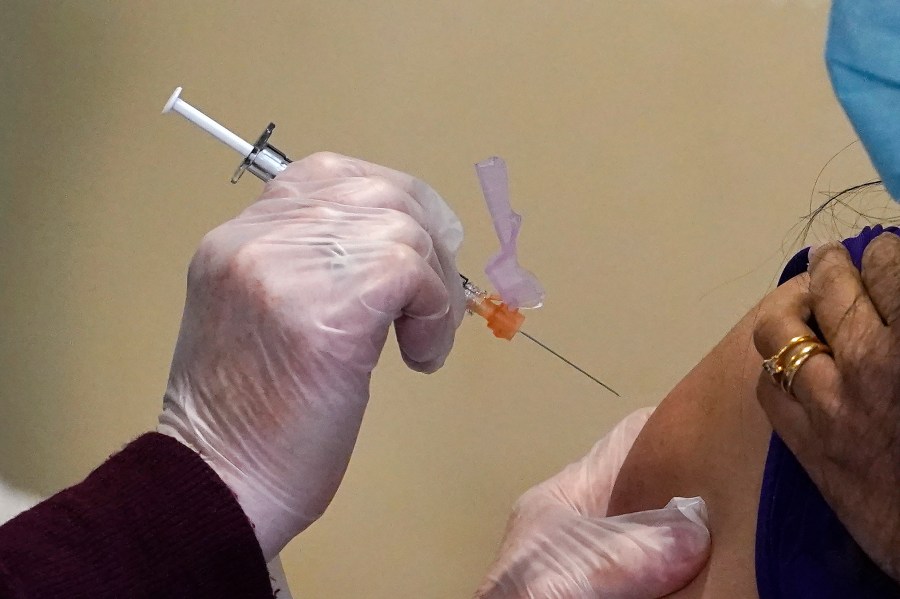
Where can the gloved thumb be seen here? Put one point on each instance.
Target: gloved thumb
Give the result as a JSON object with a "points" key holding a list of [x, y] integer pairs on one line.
{"points": [[656, 552], [643, 555]]}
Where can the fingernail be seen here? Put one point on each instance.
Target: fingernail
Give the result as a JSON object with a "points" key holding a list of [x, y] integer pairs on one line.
{"points": [[693, 508], [816, 252], [812, 251]]}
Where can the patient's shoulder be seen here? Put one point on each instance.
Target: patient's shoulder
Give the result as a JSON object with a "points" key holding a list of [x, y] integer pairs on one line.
{"points": [[707, 438]]}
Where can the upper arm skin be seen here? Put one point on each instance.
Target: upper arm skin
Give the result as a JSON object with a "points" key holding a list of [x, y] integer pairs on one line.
{"points": [[709, 437]]}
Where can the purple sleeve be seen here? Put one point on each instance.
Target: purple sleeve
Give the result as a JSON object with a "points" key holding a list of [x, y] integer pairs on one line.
{"points": [[153, 521]]}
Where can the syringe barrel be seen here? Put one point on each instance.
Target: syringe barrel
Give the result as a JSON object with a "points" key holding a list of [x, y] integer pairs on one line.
{"points": [[268, 163]]}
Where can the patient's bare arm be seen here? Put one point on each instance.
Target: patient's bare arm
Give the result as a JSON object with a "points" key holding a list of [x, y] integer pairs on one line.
{"points": [[709, 437]]}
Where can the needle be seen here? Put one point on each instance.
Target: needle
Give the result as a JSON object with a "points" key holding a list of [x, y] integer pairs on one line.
{"points": [[581, 370]]}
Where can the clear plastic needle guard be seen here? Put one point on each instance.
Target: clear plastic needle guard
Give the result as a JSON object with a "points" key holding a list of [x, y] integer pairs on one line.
{"points": [[518, 287]]}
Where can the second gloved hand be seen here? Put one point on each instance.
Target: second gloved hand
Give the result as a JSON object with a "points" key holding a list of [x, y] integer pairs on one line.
{"points": [[288, 308], [559, 544]]}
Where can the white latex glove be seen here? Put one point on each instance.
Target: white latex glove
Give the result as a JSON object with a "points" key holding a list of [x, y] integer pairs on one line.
{"points": [[560, 545], [288, 308], [14, 501]]}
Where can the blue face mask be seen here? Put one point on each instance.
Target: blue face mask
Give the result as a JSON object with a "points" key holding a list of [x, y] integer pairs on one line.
{"points": [[863, 59]]}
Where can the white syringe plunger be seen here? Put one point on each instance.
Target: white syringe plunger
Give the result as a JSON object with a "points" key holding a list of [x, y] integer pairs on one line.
{"points": [[262, 159], [227, 137]]}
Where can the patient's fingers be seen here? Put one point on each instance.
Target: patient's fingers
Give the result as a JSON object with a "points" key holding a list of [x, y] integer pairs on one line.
{"points": [[844, 428], [839, 300], [881, 276], [782, 317]]}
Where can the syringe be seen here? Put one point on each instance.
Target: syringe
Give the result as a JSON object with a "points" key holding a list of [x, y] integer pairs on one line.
{"points": [[266, 161], [262, 158]]}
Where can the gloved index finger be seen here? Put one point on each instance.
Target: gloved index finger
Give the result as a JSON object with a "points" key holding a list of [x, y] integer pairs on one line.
{"points": [[440, 221], [360, 192], [326, 166], [323, 166]]}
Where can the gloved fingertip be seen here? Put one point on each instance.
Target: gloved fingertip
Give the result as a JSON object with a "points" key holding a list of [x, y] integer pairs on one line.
{"points": [[692, 508], [425, 367], [425, 343], [486, 590]]}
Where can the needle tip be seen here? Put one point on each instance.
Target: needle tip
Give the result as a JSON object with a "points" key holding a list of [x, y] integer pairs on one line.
{"points": [[573, 365]]}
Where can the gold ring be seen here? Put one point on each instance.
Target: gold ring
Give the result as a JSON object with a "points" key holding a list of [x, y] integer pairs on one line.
{"points": [[783, 366], [797, 360], [775, 365]]}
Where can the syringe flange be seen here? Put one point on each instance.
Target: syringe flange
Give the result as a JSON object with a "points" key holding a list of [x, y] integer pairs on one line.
{"points": [[265, 160]]}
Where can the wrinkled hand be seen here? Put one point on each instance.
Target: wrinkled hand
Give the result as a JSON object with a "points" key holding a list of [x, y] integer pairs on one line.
{"points": [[288, 308], [844, 425], [560, 545]]}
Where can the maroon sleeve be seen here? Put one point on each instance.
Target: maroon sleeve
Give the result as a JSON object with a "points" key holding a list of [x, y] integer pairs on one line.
{"points": [[153, 521]]}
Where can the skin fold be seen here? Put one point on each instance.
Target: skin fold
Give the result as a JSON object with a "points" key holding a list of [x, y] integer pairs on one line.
{"points": [[709, 437]]}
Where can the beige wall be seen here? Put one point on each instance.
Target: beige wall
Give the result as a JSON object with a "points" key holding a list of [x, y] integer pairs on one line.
{"points": [[660, 152]]}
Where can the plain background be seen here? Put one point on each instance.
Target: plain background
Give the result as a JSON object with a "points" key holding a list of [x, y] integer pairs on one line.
{"points": [[661, 152]]}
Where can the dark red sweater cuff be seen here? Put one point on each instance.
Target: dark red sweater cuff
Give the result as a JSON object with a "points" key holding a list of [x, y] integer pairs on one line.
{"points": [[153, 521]]}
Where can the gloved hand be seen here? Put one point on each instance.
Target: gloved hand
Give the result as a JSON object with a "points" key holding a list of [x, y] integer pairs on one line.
{"points": [[13, 501], [560, 545], [288, 308]]}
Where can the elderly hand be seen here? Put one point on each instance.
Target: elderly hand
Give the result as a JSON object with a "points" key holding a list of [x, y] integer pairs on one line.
{"points": [[560, 545], [288, 308], [844, 425]]}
